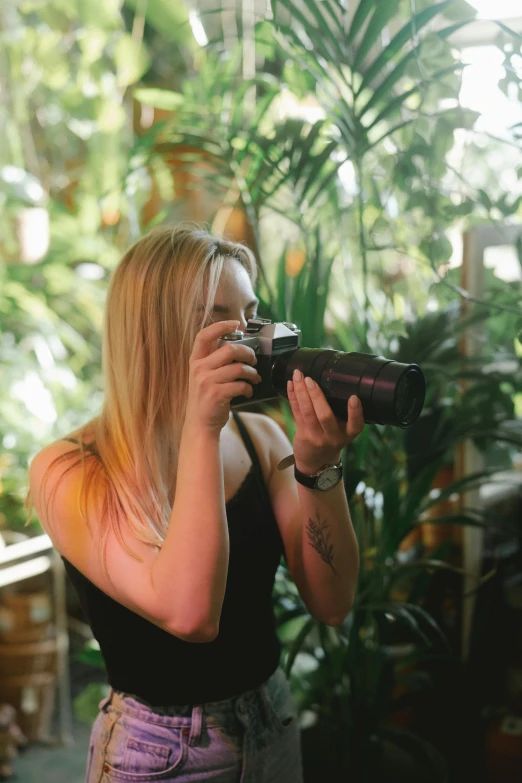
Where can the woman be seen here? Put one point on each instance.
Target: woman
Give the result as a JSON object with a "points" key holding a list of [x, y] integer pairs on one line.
{"points": [[171, 519]]}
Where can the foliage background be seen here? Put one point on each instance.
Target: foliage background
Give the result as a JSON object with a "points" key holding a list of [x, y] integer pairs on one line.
{"points": [[351, 174]]}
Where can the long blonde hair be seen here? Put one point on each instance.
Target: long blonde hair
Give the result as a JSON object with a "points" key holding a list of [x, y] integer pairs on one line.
{"points": [[150, 323]]}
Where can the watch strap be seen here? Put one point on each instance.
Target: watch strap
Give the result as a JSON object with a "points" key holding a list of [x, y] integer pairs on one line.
{"points": [[310, 481]]}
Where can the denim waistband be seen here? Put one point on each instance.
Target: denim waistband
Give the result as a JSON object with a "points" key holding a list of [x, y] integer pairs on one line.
{"points": [[214, 713]]}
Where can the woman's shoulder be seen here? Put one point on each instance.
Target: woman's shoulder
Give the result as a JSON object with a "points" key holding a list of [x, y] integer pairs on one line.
{"points": [[69, 444], [264, 425], [56, 470], [55, 481], [257, 424], [85, 434]]}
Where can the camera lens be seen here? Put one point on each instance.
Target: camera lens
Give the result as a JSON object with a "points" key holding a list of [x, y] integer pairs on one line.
{"points": [[391, 392]]}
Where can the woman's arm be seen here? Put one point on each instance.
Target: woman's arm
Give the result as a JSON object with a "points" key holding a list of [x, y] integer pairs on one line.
{"points": [[320, 543], [180, 587], [329, 552], [192, 565]]}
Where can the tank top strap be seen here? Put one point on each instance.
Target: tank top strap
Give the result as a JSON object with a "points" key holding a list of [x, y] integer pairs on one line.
{"points": [[87, 446], [247, 440]]}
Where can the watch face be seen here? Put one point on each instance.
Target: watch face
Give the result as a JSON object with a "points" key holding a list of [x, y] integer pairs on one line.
{"points": [[328, 478]]}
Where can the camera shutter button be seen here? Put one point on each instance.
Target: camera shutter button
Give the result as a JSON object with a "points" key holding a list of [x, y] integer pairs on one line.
{"points": [[235, 335]]}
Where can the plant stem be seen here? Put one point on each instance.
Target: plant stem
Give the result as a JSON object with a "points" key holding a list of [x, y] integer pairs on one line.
{"points": [[362, 239]]}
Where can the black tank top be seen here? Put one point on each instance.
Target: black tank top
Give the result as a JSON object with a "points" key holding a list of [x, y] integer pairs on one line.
{"points": [[162, 669]]}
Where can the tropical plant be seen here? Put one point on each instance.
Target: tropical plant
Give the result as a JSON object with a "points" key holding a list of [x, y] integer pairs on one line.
{"points": [[85, 704], [348, 214], [347, 678], [66, 214]]}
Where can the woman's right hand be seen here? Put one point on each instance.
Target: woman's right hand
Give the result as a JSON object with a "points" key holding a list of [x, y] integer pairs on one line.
{"points": [[215, 376]]}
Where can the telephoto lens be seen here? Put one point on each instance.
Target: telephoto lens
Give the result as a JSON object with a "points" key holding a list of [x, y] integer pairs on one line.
{"points": [[390, 392]]}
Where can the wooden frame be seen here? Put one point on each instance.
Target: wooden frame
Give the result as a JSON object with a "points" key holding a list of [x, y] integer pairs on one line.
{"points": [[470, 460], [26, 559]]}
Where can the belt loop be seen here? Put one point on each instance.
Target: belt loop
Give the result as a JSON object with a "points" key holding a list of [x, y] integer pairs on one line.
{"points": [[265, 701], [196, 722], [107, 699]]}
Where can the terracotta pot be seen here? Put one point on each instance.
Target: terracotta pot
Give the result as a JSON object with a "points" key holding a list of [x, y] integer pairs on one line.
{"points": [[503, 749], [433, 535], [409, 541], [192, 196]]}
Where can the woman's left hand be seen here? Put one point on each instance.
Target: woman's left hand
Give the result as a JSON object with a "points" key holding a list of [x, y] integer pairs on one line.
{"points": [[320, 436]]}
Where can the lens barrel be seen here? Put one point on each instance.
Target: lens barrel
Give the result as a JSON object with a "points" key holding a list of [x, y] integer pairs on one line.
{"points": [[391, 392]]}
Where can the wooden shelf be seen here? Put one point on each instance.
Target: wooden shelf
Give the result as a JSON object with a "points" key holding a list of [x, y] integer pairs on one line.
{"points": [[29, 558]]}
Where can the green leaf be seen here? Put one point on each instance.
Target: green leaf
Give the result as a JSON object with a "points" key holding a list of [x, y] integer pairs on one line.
{"points": [[160, 99], [287, 631], [364, 9], [288, 416], [336, 13], [318, 164], [325, 30], [401, 610], [131, 60], [323, 39], [394, 105], [344, 334], [437, 249], [305, 150], [110, 117], [95, 13], [86, 703], [466, 207], [300, 82], [408, 33], [465, 484], [90, 655], [170, 20], [457, 519], [295, 647], [265, 41], [282, 286], [380, 18], [319, 70], [454, 28], [509, 30], [432, 564], [418, 490], [484, 199], [323, 184]]}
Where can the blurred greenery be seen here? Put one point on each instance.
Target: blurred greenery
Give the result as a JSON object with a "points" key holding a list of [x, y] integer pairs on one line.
{"points": [[350, 166]]}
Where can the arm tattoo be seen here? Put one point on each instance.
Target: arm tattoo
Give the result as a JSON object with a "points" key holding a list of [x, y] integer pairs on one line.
{"points": [[320, 541]]}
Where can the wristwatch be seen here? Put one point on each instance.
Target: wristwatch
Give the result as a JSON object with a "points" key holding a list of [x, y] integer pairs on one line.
{"points": [[326, 478]]}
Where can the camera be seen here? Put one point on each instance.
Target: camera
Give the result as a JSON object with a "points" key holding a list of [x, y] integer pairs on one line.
{"points": [[390, 392]]}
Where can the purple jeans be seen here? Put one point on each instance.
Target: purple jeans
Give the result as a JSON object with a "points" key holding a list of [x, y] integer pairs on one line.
{"points": [[250, 738]]}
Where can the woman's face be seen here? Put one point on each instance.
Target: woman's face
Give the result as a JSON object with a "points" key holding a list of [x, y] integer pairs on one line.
{"points": [[235, 298]]}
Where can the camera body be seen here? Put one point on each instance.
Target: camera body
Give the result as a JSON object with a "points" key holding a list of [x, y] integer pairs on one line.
{"points": [[269, 340], [390, 392]]}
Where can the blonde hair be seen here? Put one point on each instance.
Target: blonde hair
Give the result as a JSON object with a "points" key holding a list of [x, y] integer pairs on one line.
{"points": [[150, 323]]}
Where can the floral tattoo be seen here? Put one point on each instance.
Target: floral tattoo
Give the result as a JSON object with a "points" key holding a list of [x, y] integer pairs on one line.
{"points": [[320, 541]]}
